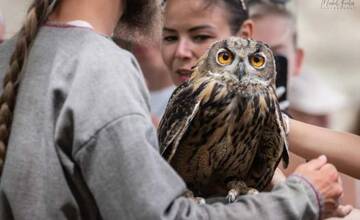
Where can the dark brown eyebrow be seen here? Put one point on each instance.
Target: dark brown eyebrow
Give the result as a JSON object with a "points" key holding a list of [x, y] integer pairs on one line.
{"points": [[200, 27], [168, 29]]}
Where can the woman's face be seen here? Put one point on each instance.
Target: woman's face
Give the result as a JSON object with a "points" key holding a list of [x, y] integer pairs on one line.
{"points": [[189, 29]]}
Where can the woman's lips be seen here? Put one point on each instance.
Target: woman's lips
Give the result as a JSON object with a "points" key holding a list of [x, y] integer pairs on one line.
{"points": [[184, 74]]}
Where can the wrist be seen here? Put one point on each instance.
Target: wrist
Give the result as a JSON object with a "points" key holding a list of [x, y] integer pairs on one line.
{"points": [[304, 181]]}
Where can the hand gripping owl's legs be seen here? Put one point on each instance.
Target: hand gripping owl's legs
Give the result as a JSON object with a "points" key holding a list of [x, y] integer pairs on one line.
{"points": [[238, 188], [189, 194]]}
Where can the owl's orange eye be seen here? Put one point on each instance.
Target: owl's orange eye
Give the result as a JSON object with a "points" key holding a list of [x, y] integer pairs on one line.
{"points": [[257, 61], [224, 57]]}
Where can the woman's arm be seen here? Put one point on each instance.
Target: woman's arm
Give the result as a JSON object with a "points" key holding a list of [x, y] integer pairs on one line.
{"points": [[342, 149]]}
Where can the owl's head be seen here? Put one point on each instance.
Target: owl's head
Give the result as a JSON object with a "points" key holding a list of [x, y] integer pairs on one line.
{"points": [[239, 59]]}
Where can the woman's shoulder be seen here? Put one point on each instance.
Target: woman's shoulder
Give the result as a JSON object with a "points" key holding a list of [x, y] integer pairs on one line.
{"points": [[83, 44], [107, 55]]}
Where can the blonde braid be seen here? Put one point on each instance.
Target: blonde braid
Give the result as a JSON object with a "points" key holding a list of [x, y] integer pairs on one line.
{"points": [[36, 16]]}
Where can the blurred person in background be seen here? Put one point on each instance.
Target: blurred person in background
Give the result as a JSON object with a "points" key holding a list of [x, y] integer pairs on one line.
{"points": [[310, 99], [275, 25]]}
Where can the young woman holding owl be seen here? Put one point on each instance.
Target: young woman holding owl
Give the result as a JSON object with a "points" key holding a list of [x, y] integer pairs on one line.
{"points": [[76, 137]]}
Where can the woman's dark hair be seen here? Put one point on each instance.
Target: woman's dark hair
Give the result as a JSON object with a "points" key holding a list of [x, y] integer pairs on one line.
{"points": [[237, 13], [141, 19], [138, 13], [236, 9]]}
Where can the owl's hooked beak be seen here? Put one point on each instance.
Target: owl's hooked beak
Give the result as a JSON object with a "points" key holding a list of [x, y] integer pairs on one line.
{"points": [[241, 71]]}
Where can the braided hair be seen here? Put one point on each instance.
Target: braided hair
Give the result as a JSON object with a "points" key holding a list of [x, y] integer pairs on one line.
{"points": [[36, 16]]}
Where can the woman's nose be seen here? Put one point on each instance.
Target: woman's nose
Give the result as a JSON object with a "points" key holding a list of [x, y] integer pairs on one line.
{"points": [[183, 49]]}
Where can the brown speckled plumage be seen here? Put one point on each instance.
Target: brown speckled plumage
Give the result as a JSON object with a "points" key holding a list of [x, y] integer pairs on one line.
{"points": [[223, 130]]}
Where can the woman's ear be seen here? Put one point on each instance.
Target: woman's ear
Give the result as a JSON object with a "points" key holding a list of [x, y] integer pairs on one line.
{"points": [[299, 59], [246, 29]]}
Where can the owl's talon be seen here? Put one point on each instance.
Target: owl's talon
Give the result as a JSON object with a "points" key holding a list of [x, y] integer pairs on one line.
{"points": [[200, 200], [232, 196], [252, 192]]}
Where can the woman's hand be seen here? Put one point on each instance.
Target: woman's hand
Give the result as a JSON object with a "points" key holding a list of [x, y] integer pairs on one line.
{"points": [[326, 180]]}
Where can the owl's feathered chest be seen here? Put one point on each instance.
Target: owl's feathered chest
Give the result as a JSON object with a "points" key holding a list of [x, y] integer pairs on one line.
{"points": [[225, 132], [243, 103]]}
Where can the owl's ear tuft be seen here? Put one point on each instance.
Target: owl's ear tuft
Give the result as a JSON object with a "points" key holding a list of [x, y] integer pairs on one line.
{"points": [[266, 45]]}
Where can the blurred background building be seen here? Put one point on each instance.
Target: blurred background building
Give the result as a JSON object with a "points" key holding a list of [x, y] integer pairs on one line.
{"points": [[330, 35]]}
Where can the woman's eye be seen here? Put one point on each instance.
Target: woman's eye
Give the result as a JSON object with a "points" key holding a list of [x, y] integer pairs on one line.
{"points": [[170, 38], [200, 38]]}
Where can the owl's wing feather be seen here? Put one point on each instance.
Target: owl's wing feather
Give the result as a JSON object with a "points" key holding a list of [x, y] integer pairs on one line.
{"points": [[180, 111], [281, 125], [285, 153], [278, 125], [273, 147]]}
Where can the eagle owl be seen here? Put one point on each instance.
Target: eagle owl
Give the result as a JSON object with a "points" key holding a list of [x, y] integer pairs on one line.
{"points": [[222, 130]]}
